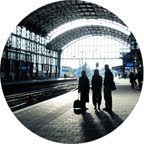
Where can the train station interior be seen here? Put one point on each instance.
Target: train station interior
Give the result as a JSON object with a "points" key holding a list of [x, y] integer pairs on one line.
{"points": [[42, 62]]}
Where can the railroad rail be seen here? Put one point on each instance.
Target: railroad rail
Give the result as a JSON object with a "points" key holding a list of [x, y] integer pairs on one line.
{"points": [[39, 93]]}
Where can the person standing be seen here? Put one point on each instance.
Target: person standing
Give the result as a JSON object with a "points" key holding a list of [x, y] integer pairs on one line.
{"points": [[108, 81], [96, 88], [132, 78], [140, 79], [83, 89]]}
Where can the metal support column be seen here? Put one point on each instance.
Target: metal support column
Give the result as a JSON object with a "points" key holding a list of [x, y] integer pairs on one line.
{"points": [[59, 62]]}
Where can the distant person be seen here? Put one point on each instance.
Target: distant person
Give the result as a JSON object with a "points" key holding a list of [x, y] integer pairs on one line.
{"points": [[132, 78], [65, 75], [119, 75], [108, 80], [140, 79], [83, 89], [124, 75], [96, 88]]}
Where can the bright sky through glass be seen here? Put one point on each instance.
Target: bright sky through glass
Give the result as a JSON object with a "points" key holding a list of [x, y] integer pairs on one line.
{"points": [[86, 22], [92, 49]]}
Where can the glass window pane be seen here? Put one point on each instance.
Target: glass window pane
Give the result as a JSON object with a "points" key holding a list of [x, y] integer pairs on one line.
{"points": [[24, 32], [13, 41]]}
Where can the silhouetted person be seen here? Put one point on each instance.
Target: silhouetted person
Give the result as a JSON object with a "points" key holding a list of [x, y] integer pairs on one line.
{"points": [[140, 79], [96, 88], [108, 80], [119, 75], [83, 88], [124, 75], [132, 78]]}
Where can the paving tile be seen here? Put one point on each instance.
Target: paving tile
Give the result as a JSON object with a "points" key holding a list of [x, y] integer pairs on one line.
{"points": [[56, 120]]}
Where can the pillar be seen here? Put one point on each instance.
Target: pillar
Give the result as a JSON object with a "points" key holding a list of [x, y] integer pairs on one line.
{"points": [[59, 62]]}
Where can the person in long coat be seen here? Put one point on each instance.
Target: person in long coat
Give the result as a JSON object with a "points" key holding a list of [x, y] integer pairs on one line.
{"points": [[108, 80], [83, 89], [96, 88], [132, 79]]}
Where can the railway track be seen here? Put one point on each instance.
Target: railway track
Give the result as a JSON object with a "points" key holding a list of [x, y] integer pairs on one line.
{"points": [[38, 94]]}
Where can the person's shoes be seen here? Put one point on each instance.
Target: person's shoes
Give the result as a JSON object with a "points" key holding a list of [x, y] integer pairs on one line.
{"points": [[110, 111], [86, 108], [105, 109], [99, 108]]}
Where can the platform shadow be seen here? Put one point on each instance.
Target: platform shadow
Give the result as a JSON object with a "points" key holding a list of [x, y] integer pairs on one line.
{"points": [[90, 127], [99, 126], [109, 121]]}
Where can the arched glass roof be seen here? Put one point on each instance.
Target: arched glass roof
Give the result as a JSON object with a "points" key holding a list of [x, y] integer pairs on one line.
{"points": [[63, 39], [86, 22], [47, 18], [54, 20]]}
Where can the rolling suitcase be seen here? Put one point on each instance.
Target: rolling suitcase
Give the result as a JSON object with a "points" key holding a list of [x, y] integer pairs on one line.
{"points": [[77, 103]]}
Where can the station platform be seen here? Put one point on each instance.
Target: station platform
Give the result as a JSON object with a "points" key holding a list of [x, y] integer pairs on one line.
{"points": [[56, 120], [14, 87], [35, 81]]}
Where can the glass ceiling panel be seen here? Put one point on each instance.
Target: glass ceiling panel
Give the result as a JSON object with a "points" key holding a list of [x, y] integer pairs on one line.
{"points": [[92, 49], [86, 22]]}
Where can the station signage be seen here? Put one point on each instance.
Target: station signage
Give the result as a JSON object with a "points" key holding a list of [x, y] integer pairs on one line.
{"points": [[129, 65]]}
